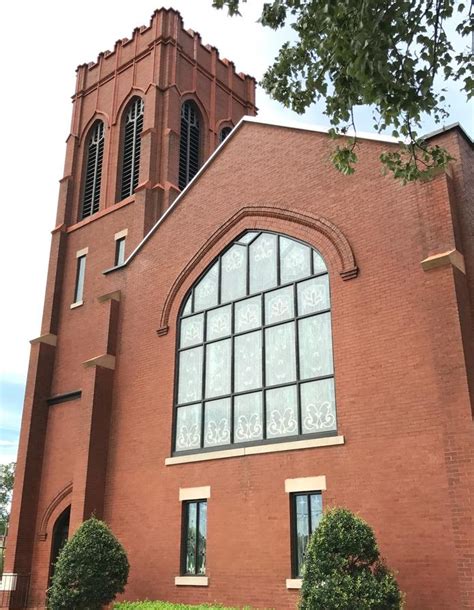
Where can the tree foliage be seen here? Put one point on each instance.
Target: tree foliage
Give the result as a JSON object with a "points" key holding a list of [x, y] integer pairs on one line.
{"points": [[343, 569], [91, 569], [390, 55], [7, 477]]}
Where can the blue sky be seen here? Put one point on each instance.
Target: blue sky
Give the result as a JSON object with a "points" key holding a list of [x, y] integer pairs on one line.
{"points": [[56, 48], [11, 402]]}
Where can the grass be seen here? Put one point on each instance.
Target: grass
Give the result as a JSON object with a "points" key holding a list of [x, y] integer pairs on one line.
{"points": [[169, 606]]}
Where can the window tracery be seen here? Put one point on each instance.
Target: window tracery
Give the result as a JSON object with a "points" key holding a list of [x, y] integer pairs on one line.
{"points": [[255, 360]]}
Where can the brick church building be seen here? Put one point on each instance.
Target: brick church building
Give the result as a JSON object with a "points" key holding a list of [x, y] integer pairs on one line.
{"points": [[236, 337]]}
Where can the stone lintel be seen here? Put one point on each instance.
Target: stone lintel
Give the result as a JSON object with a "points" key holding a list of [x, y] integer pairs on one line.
{"points": [[107, 361], [443, 259], [48, 339]]}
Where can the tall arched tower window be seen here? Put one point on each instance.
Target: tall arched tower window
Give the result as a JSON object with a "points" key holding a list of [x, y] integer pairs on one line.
{"points": [[254, 353], [189, 143], [93, 170], [132, 130]]}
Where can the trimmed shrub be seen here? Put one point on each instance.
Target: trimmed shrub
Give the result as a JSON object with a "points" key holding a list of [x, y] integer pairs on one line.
{"points": [[91, 569], [343, 569]]}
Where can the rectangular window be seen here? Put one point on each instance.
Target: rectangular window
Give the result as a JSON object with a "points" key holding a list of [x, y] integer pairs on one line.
{"points": [[194, 538], [80, 276], [306, 510], [119, 251]]}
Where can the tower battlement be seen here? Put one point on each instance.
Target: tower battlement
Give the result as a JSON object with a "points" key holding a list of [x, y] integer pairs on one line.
{"points": [[166, 28]]}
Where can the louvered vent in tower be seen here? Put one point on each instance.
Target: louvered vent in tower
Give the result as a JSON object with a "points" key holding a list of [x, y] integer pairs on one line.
{"points": [[189, 143], [95, 155], [131, 147]]}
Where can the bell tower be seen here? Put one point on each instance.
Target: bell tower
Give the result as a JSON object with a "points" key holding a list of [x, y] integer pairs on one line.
{"points": [[145, 118], [163, 101]]}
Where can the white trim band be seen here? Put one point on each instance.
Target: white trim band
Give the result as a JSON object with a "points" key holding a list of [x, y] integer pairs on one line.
{"points": [[194, 493], [121, 234], [8, 581], [305, 484], [191, 581], [82, 252], [450, 257], [326, 441], [294, 583]]}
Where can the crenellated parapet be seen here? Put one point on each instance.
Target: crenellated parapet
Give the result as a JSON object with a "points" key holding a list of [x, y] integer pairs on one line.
{"points": [[165, 29], [165, 65]]}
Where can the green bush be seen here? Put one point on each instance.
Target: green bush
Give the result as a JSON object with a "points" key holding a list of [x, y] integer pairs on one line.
{"points": [[343, 569], [91, 569]]}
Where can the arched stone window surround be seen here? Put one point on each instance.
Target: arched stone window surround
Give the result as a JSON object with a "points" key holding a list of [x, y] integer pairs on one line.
{"points": [[254, 348], [316, 231], [57, 506], [133, 92], [98, 116], [339, 254]]}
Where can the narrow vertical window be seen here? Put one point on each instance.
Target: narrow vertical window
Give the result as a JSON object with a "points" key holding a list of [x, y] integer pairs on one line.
{"points": [[194, 538], [80, 276], [306, 513], [119, 251], [225, 131], [131, 147], [189, 143], [93, 170]]}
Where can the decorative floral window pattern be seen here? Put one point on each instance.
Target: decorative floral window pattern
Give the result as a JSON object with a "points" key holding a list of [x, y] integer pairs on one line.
{"points": [[255, 357]]}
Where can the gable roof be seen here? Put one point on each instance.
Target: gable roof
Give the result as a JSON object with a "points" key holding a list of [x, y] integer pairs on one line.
{"points": [[374, 137]]}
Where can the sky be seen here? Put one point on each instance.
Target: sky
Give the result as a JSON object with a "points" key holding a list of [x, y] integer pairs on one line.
{"points": [[42, 43]]}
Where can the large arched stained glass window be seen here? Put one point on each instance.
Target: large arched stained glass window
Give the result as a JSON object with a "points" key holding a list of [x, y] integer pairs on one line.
{"points": [[254, 357], [93, 170], [132, 132]]}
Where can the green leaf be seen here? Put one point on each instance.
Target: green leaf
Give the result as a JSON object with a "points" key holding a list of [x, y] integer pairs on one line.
{"points": [[352, 53]]}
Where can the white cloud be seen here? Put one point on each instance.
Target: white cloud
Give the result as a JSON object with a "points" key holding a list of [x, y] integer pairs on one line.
{"points": [[8, 456]]}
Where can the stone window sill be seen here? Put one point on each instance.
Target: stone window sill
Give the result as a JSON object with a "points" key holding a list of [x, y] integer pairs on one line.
{"points": [[77, 304], [191, 581], [326, 441], [294, 583]]}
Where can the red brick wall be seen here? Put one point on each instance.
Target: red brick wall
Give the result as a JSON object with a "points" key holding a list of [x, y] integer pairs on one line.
{"points": [[402, 395], [402, 390]]}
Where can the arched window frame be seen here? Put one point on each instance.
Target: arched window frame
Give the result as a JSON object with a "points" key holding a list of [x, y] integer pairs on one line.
{"points": [[224, 132], [190, 142], [306, 415], [94, 158], [132, 127], [59, 537]]}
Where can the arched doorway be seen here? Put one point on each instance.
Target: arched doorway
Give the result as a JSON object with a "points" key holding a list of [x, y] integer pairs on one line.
{"points": [[59, 539]]}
